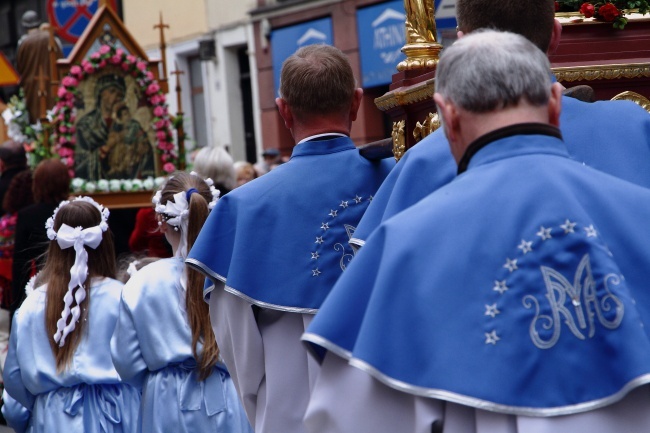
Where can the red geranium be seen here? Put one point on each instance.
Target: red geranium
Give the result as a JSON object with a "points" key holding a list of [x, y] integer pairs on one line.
{"points": [[608, 12], [588, 10]]}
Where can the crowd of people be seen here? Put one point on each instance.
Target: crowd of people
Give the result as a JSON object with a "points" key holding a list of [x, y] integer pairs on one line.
{"points": [[494, 280]]}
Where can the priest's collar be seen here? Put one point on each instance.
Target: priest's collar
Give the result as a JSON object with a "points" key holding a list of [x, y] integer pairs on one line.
{"points": [[508, 131]]}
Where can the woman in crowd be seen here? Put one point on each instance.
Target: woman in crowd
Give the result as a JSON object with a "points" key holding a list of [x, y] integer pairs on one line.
{"points": [[59, 365], [163, 341]]}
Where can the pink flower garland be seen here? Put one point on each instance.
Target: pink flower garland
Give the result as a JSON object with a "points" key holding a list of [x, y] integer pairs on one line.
{"points": [[64, 112]]}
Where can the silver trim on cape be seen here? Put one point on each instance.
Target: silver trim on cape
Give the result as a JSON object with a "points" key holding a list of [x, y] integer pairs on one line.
{"points": [[201, 267], [472, 401], [356, 242]]}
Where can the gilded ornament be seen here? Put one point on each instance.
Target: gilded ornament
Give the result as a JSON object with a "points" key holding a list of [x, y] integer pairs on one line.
{"points": [[430, 124], [422, 49], [634, 97], [602, 72], [399, 141]]}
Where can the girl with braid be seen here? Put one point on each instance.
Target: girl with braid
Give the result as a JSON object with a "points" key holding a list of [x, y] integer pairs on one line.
{"points": [[163, 341]]}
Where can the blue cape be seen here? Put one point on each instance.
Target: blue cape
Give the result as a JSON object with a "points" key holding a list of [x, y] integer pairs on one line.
{"points": [[611, 136], [281, 241], [520, 287]]}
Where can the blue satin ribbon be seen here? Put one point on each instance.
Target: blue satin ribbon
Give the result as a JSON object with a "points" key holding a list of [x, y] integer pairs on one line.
{"points": [[210, 392]]}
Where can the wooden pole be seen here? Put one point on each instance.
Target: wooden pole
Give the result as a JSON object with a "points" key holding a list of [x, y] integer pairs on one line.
{"points": [[42, 98], [53, 50], [180, 132], [163, 50]]}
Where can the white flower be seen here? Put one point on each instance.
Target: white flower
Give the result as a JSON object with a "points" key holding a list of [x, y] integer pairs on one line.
{"points": [[8, 116], [102, 185], [148, 183], [90, 187], [136, 185], [159, 181], [114, 185], [127, 185], [77, 184]]}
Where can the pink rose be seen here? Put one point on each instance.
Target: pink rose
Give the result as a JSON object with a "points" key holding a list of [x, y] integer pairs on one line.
{"points": [[160, 124], [169, 167], [76, 70], [102, 64], [142, 66], [161, 135], [94, 56], [119, 52], [61, 92], [104, 49], [131, 58], [63, 129], [155, 100], [587, 9], [116, 59], [153, 88], [88, 68], [66, 152], [149, 75], [125, 67], [160, 111], [69, 81], [164, 157], [63, 140]]}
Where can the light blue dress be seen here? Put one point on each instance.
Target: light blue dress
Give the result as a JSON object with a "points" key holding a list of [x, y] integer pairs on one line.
{"points": [[16, 415], [88, 397], [151, 348]]}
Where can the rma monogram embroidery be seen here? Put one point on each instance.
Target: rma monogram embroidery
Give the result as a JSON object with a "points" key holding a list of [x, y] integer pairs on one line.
{"points": [[346, 257], [579, 315]]}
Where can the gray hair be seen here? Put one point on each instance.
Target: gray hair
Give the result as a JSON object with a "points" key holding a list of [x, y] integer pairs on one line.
{"points": [[489, 70], [217, 164]]}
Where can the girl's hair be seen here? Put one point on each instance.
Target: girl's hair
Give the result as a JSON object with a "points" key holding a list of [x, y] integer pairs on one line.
{"points": [[19, 195], [51, 182], [198, 314], [101, 263]]}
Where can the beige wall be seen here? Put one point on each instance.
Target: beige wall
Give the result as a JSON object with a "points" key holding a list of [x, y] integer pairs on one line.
{"points": [[221, 13], [187, 19]]}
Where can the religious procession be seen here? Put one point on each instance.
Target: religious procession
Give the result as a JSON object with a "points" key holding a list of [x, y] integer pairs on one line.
{"points": [[333, 216]]}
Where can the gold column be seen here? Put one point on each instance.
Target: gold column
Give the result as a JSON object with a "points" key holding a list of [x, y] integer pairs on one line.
{"points": [[422, 49]]}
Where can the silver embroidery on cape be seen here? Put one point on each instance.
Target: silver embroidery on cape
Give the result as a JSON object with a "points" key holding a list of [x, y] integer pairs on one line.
{"points": [[585, 302]]}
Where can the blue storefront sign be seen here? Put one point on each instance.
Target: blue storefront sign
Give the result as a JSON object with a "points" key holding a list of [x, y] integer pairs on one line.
{"points": [[381, 38], [285, 42], [382, 35]]}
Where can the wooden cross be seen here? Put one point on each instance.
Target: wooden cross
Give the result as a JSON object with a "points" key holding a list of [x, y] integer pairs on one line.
{"points": [[163, 47], [179, 129], [53, 51], [42, 93], [178, 74]]}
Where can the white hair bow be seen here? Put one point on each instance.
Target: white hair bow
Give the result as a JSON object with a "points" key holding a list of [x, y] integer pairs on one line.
{"points": [[77, 237]]}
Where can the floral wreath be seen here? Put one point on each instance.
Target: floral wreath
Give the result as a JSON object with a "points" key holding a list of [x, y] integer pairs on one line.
{"points": [[69, 96]]}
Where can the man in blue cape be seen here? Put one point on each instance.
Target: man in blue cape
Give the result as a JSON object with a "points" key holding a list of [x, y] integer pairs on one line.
{"points": [[274, 247], [513, 299], [611, 136]]}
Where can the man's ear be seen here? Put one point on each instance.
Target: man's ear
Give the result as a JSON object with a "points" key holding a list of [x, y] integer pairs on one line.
{"points": [[285, 112], [555, 105], [356, 103], [556, 35]]}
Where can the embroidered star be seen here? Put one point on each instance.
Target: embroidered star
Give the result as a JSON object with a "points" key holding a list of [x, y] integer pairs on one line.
{"points": [[544, 233], [525, 246], [319, 240], [500, 286], [315, 272], [370, 198], [333, 213], [358, 199], [591, 231], [568, 227], [315, 256], [344, 204], [491, 310], [491, 337], [511, 265], [325, 226]]}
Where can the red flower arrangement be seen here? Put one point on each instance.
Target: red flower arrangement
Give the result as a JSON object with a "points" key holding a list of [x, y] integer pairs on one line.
{"points": [[64, 113], [611, 11]]}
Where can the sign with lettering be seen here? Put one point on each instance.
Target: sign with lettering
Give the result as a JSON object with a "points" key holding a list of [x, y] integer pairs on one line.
{"points": [[382, 35], [285, 41]]}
